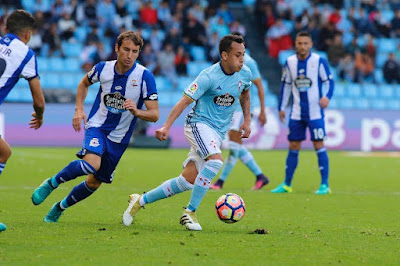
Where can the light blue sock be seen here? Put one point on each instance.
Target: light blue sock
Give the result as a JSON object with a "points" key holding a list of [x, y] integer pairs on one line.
{"points": [[247, 158], [2, 165], [291, 164], [323, 163], [230, 160], [203, 182], [71, 171], [77, 194], [167, 189]]}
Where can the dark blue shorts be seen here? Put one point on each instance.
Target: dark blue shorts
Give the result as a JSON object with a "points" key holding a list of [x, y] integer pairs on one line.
{"points": [[297, 129], [96, 142]]}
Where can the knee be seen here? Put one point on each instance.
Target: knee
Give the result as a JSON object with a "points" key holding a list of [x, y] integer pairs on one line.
{"points": [[92, 182], [4, 155], [294, 146], [318, 145]]}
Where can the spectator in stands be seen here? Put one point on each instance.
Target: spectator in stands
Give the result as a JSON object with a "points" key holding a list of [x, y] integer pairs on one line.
{"points": [[363, 24], [391, 70], [106, 14], [346, 68], [221, 27], [148, 14], [380, 24], [336, 51], [41, 6], [278, 38], [314, 31], [395, 23], [36, 42], [326, 36], [353, 46], [148, 58], [181, 61], [57, 9], [166, 63], [164, 14], [364, 67], [268, 18], [52, 38], [334, 17], [90, 12], [99, 54], [156, 40], [92, 36], [225, 13], [71, 8], [236, 26], [196, 31], [198, 12], [173, 38], [66, 26], [213, 48], [370, 49]]}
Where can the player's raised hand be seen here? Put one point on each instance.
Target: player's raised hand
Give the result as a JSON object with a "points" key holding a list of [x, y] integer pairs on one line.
{"points": [[245, 130], [130, 106], [35, 122], [262, 118], [282, 116], [162, 133], [77, 119], [324, 102]]}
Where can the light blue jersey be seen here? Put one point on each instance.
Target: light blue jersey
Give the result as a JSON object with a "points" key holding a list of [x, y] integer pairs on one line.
{"points": [[217, 96], [255, 74]]}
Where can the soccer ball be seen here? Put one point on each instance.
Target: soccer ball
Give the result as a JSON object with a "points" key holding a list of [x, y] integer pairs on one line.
{"points": [[230, 208]]}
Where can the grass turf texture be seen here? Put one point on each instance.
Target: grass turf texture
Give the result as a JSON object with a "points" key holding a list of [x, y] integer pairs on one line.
{"points": [[358, 223]]}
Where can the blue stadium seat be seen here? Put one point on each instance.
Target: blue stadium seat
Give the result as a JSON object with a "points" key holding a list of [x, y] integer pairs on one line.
{"points": [[393, 105], [387, 14], [361, 103], [379, 76], [72, 49], [91, 95], [175, 96], [339, 89], [80, 33], [43, 64], [163, 98], [396, 91], [28, 5], [183, 82], [378, 104], [346, 103], [56, 64], [163, 84], [22, 83], [386, 45], [370, 90], [386, 91], [69, 81], [72, 64], [333, 103], [283, 55], [381, 59], [13, 96], [354, 90], [51, 80], [25, 95], [198, 53]]}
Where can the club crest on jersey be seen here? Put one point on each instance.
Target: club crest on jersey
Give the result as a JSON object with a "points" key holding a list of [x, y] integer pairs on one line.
{"points": [[134, 83], [224, 101], [302, 82], [192, 88], [114, 102], [94, 142], [240, 84]]}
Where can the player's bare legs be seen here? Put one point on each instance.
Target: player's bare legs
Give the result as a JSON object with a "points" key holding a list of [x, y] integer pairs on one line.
{"points": [[5, 153]]}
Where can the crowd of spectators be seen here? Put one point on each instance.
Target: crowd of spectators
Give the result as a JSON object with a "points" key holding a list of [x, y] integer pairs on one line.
{"points": [[170, 28], [345, 30]]}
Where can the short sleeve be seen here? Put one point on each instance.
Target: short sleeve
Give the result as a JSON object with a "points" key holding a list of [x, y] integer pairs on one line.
{"points": [[94, 74], [149, 88], [30, 69], [198, 87]]}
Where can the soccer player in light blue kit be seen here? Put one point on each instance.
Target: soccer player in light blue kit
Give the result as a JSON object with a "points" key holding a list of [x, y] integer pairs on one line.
{"points": [[17, 60], [124, 87], [217, 92], [236, 149], [303, 77]]}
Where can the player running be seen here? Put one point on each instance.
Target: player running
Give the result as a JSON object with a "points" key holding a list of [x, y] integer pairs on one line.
{"points": [[236, 149], [124, 87], [303, 76], [17, 60], [217, 91]]}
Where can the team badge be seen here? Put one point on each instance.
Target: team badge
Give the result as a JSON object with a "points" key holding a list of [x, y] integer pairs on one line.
{"points": [[94, 142], [240, 85], [192, 88], [118, 88], [134, 83], [114, 102]]}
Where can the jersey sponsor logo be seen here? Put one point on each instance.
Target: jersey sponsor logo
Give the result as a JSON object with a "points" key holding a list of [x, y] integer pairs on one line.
{"points": [[192, 89], [153, 97], [114, 102], [118, 88], [303, 83], [94, 142], [224, 101]]}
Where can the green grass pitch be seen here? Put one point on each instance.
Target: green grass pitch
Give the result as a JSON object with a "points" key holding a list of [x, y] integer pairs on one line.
{"points": [[358, 224]]}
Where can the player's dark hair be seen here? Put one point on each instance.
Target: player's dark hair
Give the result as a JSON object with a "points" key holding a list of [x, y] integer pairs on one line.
{"points": [[237, 33], [303, 33], [134, 36], [19, 21], [226, 42]]}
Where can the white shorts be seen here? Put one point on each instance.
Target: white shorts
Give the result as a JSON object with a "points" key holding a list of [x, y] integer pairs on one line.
{"points": [[237, 120], [204, 142]]}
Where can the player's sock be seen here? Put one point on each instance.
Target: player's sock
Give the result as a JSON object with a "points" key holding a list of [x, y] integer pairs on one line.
{"points": [[323, 163], [73, 170], [247, 158], [2, 165], [167, 189], [230, 161], [203, 182], [78, 193], [291, 164]]}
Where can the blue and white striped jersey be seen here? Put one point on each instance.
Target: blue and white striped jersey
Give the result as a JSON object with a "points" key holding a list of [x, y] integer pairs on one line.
{"points": [[217, 96], [16, 60], [107, 111], [304, 79]]}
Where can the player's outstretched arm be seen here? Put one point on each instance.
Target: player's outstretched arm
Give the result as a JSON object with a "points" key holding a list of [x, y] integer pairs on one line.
{"points": [[163, 133], [81, 93], [151, 114], [262, 117], [38, 103], [245, 103]]}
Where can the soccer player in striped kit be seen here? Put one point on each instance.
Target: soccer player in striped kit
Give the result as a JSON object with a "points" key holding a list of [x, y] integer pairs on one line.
{"points": [[17, 60], [304, 75], [124, 87]]}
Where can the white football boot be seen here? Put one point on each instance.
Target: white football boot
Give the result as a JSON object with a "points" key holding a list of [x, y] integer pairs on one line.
{"points": [[133, 208], [189, 220]]}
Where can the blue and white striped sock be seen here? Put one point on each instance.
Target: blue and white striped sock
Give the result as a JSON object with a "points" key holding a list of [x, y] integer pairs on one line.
{"points": [[203, 182], [2, 165], [71, 171], [167, 189]]}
